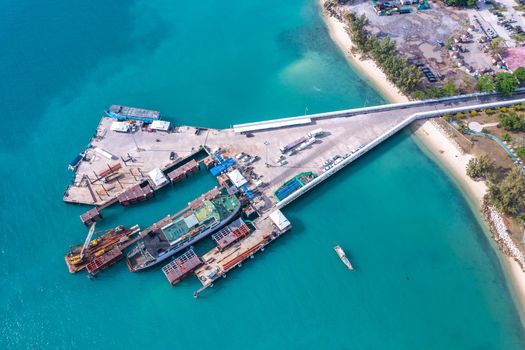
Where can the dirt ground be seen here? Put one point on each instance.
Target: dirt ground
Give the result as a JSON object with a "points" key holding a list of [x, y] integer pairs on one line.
{"points": [[423, 34]]}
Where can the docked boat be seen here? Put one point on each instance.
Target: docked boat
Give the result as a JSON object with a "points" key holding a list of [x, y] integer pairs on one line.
{"points": [[170, 235], [294, 184], [342, 256]]}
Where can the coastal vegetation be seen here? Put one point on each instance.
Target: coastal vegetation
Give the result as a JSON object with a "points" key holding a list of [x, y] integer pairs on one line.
{"points": [[461, 3], [506, 187], [498, 162], [506, 83], [512, 121], [402, 73], [485, 83], [407, 76], [503, 82], [448, 89], [480, 167], [508, 195]]}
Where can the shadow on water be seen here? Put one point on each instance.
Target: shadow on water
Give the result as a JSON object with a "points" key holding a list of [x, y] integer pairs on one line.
{"points": [[261, 259], [358, 166]]}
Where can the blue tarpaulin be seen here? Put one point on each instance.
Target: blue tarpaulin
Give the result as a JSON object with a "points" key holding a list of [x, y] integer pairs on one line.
{"points": [[224, 165], [248, 192]]}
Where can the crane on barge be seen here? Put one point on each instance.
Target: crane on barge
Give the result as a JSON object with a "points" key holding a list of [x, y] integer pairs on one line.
{"points": [[88, 240]]}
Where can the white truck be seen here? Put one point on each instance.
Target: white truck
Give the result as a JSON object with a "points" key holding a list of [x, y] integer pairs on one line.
{"points": [[315, 133]]}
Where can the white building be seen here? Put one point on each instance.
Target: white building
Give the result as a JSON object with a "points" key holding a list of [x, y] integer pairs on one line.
{"points": [[157, 177], [280, 220], [236, 178]]}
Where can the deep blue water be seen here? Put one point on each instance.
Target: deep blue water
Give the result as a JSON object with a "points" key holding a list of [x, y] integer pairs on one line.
{"points": [[426, 275]]}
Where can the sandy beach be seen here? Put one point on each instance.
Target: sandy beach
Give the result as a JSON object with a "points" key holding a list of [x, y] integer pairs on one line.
{"points": [[436, 141], [368, 69], [454, 160]]}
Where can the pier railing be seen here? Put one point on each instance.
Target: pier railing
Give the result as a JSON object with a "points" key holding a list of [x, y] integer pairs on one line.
{"points": [[275, 123], [401, 125]]}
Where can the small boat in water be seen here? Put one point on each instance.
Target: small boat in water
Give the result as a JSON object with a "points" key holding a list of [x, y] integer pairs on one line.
{"points": [[343, 257]]}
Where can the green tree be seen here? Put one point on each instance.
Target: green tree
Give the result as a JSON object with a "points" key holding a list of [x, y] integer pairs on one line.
{"points": [[449, 89], [506, 83], [396, 67], [520, 152], [478, 168], [485, 83], [508, 195], [496, 46], [461, 3], [512, 122], [520, 74]]}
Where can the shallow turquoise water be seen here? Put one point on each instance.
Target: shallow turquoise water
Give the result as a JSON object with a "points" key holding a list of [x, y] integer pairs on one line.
{"points": [[426, 276]]}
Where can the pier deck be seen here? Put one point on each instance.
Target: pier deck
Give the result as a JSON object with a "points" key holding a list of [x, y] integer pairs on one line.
{"points": [[347, 134], [143, 150], [216, 263]]}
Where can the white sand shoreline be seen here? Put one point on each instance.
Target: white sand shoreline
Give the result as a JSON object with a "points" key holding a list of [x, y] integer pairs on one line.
{"points": [[437, 143], [367, 68]]}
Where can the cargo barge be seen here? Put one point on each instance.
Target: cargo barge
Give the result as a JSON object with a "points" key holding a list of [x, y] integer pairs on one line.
{"points": [[101, 252], [183, 171], [169, 236], [136, 194], [131, 113]]}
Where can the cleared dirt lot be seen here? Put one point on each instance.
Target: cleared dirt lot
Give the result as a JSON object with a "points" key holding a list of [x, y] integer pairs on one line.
{"points": [[423, 34]]}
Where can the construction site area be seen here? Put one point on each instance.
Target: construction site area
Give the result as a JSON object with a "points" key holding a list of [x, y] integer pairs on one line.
{"points": [[450, 43]]}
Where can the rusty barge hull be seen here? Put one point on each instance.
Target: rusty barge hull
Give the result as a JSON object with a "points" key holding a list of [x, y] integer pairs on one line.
{"points": [[103, 252]]}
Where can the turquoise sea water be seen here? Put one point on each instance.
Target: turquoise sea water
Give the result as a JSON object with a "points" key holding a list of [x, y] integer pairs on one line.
{"points": [[426, 275]]}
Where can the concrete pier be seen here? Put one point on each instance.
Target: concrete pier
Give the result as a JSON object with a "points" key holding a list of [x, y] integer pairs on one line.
{"points": [[259, 151], [141, 151]]}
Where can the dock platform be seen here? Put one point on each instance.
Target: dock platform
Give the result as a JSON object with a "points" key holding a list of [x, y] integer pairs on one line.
{"points": [[216, 263], [266, 155], [181, 266]]}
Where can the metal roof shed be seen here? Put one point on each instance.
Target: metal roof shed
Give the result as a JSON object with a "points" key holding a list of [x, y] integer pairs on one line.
{"points": [[119, 126], [280, 220], [157, 177], [160, 125], [236, 178]]}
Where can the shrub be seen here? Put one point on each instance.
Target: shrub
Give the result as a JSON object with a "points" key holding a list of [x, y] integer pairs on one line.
{"points": [[520, 74], [506, 83], [520, 152], [512, 122], [485, 83], [396, 67], [509, 194], [480, 167]]}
